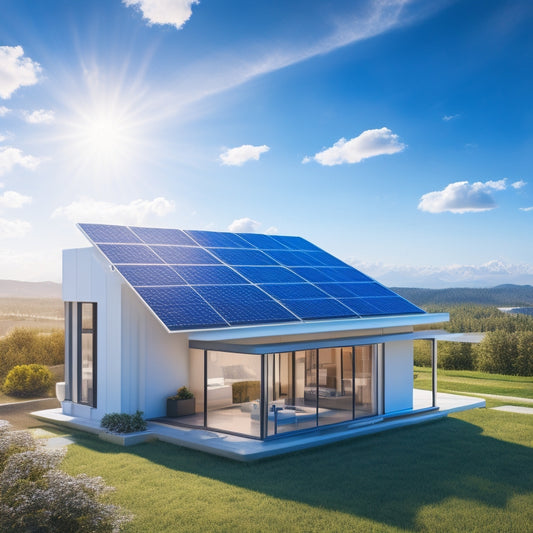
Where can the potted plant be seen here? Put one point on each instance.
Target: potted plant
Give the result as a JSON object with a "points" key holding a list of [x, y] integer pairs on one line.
{"points": [[182, 403]]}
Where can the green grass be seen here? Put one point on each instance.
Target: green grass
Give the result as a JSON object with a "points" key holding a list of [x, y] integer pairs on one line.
{"points": [[478, 382], [469, 472]]}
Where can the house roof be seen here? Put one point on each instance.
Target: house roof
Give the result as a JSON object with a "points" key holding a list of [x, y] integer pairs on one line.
{"points": [[195, 280]]}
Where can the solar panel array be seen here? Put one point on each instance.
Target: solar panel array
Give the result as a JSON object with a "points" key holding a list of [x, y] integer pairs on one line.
{"points": [[206, 279]]}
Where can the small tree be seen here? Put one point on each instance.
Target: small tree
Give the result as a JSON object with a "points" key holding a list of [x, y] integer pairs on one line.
{"points": [[36, 496]]}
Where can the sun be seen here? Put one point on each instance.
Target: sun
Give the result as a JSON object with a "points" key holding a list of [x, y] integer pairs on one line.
{"points": [[104, 129]]}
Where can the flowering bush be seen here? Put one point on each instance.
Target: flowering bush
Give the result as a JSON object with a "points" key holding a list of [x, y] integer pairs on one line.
{"points": [[28, 380], [123, 422], [36, 496]]}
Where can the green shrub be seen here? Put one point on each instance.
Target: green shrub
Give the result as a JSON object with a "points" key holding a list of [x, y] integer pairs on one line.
{"points": [[123, 422], [28, 380], [246, 391]]}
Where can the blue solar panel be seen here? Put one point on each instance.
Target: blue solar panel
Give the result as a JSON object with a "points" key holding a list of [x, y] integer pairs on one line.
{"points": [[290, 258], [236, 257], [252, 313], [180, 307], [184, 278], [133, 254], [361, 306], [163, 236], [234, 294], [109, 234], [394, 305], [323, 258], [184, 255], [337, 290], [209, 275], [213, 239], [368, 289], [147, 275], [244, 304], [343, 274], [295, 243], [293, 291], [263, 242], [313, 275], [319, 308], [269, 274]]}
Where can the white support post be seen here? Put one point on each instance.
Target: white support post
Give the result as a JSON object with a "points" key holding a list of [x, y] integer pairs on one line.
{"points": [[434, 371]]}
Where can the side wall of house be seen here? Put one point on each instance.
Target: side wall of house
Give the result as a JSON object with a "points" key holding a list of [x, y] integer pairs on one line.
{"points": [[139, 363], [86, 278], [398, 376], [155, 362]]}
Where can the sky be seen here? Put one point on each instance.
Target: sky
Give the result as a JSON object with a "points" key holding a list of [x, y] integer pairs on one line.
{"points": [[395, 134]]}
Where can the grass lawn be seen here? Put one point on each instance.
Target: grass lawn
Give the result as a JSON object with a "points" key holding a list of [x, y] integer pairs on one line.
{"points": [[468, 472], [478, 382]]}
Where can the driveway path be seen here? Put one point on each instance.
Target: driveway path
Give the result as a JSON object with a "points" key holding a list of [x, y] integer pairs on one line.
{"points": [[495, 396], [18, 413]]}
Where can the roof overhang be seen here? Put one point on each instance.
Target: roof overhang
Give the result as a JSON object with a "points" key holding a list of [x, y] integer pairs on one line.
{"points": [[288, 337]]}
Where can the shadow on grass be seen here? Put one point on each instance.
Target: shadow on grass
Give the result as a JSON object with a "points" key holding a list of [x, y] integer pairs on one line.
{"points": [[386, 477]]}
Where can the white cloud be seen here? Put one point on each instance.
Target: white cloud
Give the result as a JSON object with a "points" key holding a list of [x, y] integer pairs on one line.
{"points": [[40, 116], [13, 229], [244, 225], [369, 144], [4, 111], [488, 274], [462, 197], [136, 212], [173, 12], [518, 184], [16, 70], [526, 208], [447, 118], [241, 154], [10, 157], [13, 200], [272, 230]]}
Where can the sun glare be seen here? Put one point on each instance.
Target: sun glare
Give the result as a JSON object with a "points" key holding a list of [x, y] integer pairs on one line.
{"points": [[104, 128]]}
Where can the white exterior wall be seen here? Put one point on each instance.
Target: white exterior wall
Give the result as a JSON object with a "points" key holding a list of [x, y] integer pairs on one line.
{"points": [[139, 363], [86, 278], [398, 376], [155, 363]]}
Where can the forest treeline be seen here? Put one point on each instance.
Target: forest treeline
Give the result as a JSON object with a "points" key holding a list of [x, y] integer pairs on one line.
{"points": [[507, 347], [500, 296]]}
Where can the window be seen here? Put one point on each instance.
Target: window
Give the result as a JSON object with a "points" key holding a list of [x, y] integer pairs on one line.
{"points": [[87, 354]]}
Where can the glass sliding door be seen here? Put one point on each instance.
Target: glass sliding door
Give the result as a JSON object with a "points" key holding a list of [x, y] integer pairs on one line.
{"points": [[234, 392]]}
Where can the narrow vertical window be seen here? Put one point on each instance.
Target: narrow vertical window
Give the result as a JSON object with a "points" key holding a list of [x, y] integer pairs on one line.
{"points": [[87, 353], [68, 351]]}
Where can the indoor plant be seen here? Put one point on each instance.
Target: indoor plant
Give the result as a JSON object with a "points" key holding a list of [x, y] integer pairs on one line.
{"points": [[182, 403]]}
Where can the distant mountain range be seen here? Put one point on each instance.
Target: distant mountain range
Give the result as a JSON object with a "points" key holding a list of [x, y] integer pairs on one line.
{"points": [[29, 289], [500, 296]]}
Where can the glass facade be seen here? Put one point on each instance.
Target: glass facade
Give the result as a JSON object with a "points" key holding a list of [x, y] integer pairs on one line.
{"points": [[262, 396]]}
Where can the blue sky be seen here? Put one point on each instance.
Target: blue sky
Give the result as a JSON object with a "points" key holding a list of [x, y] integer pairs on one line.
{"points": [[395, 134]]}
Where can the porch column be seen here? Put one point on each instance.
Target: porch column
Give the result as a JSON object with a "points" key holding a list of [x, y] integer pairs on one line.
{"points": [[434, 371]]}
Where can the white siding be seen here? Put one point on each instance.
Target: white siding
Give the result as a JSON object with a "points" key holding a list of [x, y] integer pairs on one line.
{"points": [[398, 376]]}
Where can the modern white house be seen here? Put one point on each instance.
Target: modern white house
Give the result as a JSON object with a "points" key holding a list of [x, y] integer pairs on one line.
{"points": [[273, 335]]}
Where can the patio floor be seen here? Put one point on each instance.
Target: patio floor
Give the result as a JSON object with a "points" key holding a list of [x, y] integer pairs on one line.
{"points": [[245, 449]]}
